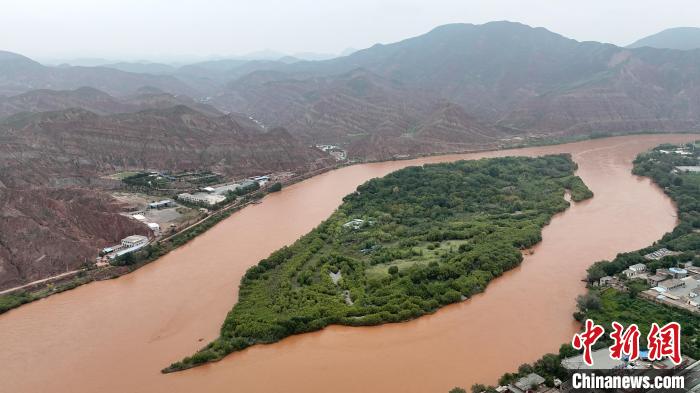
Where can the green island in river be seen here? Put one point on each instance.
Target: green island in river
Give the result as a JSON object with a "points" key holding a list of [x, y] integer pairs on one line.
{"points": [[400, 247]]}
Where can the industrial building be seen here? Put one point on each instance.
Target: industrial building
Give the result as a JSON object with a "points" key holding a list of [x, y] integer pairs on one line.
{"points": [[128, 244], [161, 204], [134, 241], [201, 198]]}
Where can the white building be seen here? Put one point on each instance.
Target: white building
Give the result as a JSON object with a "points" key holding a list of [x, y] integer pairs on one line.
{"points": [[155, 227], [203, 198], [354, 223], [226, 188], [635, 270], [682, 169], [129, 244], [134, 241]]}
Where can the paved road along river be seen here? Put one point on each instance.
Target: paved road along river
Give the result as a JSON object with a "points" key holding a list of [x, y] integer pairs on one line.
{"points": [[115, 336]]}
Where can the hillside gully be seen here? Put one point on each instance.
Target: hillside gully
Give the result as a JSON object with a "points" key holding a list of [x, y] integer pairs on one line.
{"points": [[116, 336]]}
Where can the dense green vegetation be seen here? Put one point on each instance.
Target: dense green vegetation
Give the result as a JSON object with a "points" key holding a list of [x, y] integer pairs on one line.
{"points": [[8, 302], [398, 248], [146, 180], [156, 181], [620, 307], [275, 187], [607, 305], [14, 300]]}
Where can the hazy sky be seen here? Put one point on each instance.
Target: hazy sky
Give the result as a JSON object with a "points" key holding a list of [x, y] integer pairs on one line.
{"points": [[167, 29]]}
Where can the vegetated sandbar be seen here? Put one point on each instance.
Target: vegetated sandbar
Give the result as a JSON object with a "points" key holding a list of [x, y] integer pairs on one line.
{"points": [[400, 247]]}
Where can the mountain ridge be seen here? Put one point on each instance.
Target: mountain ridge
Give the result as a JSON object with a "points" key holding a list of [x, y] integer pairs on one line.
{"points": [[504, 75], [679, 38]]}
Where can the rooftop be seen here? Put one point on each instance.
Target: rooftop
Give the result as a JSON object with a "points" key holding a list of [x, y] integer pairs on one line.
{"points": [[135, 238], [688, 168], [677, 270], [528, 382], [691, 285], [660, 253], [601, 361], [671, 283]]}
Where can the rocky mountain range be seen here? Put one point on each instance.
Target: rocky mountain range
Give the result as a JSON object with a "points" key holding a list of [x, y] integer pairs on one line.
{"points": [[53, 213], [458, 87], [19, 74], [96, 101], [507, 79], [45, 231]]}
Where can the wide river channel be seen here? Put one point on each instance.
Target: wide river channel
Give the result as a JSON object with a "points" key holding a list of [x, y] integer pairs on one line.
{"points": [[116, 336]]}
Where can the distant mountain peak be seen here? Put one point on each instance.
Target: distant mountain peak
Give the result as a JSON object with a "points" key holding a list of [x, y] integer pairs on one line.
{"points": [[681, 38], [5, 55]]}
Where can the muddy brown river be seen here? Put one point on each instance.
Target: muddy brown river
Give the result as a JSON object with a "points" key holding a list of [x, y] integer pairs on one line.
{"points": [[116, 336]]}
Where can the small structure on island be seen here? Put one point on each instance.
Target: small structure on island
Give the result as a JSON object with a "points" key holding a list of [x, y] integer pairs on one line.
{"points": [[356, 223], [660, 253], [606, 281], [635, 270]]}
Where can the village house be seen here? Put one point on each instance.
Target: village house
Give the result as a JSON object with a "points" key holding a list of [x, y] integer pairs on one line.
{"points": [[656, 279], [693, 298], [677, 272], [671, 284], [635, 270], [530, 383], [601, 361], [682, 293]]}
